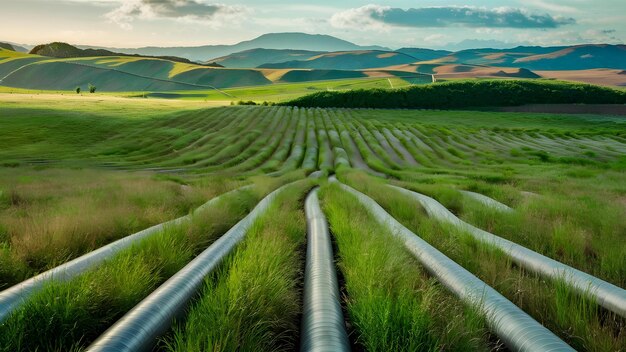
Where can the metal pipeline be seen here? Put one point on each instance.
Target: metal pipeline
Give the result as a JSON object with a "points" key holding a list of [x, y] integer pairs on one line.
{"points": [[13, 297], [153, 316], [605, 294], [518, 330], [322, 319], [489, 202]]}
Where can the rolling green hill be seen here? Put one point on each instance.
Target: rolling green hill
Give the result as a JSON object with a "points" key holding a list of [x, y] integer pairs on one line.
{"points": [[258, 57], [348, 60], [129, 73], [64, 50], [67, 76], [11, 60], [579, 57], [424, 54], [15, 47], [7, 46], [117, 73]]}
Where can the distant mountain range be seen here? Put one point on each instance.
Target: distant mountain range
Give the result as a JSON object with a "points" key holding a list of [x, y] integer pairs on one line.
{"points": [[481, 43], [258, 57], [301, 50], [7, 46], [578, 57], [347, 60], [65, 51], [294, 41], [294, 57], [16, 47]]}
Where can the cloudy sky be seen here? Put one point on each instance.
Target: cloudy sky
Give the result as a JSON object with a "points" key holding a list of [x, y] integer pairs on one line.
{"points": [[394, 23]]}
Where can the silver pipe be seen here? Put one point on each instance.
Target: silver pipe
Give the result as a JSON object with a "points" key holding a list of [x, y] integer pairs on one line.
{"points": [[518, 330], [13, 297], [322, 319], [489, 202], [138, 329], [605, 294]]}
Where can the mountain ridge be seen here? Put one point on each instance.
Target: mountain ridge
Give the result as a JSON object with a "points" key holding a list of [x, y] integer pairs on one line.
{"points": [[287, 40], [64, 50]]}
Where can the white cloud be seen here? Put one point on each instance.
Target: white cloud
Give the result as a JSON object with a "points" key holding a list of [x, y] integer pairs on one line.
{"points": [[436, 38], [570, 37], [360, 18], [550, 6], [382, 17], [196, 11]]}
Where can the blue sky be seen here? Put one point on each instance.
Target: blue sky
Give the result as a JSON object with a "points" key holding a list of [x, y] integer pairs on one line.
{"points": [[400, 23]]}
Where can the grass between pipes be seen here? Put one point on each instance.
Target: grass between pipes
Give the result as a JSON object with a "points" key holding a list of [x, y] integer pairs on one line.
{"points": [[576, 319], [392, 304], [253, 302], [67, 316]]}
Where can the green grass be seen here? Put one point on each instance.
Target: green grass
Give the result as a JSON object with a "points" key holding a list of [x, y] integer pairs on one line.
{"points": [[574, 318], [253, 302], [279, 92], [391, 303], [154, 77], [50, 216], [276, 92], [575, 221], [148, 160], [79, 310]]}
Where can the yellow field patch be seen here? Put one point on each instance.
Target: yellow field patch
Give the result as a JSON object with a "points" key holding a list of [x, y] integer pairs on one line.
{"points": [[105, 101], [341, 53], [180, 67], [9, 59], [114, 61], [13, 54], [275, 75], [495, 56], [553, 55], [386, 55]]}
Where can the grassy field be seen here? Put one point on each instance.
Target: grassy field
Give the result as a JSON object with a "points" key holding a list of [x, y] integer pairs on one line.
{"points": [[277, 92], [77, 172], [144, 75], [49, 216]]}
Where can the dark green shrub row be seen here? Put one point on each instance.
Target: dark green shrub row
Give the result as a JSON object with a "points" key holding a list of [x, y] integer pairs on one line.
{"points": [[464, 94]]}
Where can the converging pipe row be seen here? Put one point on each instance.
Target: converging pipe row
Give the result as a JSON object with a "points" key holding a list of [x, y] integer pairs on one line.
{"points": [[518, 330], [322, 319], [15, 296], [605, 294]]}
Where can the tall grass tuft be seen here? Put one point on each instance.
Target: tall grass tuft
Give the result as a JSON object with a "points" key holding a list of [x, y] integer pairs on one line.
{"points": [[392, 305], [78, 311], [253, 302]]}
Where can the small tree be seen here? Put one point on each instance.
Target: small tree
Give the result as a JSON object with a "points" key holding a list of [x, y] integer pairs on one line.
{"points": [[92, 88], [77, 90]]}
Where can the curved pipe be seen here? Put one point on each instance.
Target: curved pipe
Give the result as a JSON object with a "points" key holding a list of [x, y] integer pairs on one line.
{"points": [[142, 325], [13, 297], [489, 202], [518, 330], [322, 319], [605, 294]]}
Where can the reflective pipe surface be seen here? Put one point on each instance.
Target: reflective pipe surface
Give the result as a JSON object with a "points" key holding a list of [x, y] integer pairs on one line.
{"points": [[322, 319], [13, 297], [518, 330], [605, 294], [142, 325], [487, 201]]}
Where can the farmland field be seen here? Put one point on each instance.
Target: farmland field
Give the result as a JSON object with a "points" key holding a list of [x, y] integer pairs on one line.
{"points": [[79, 174]]}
